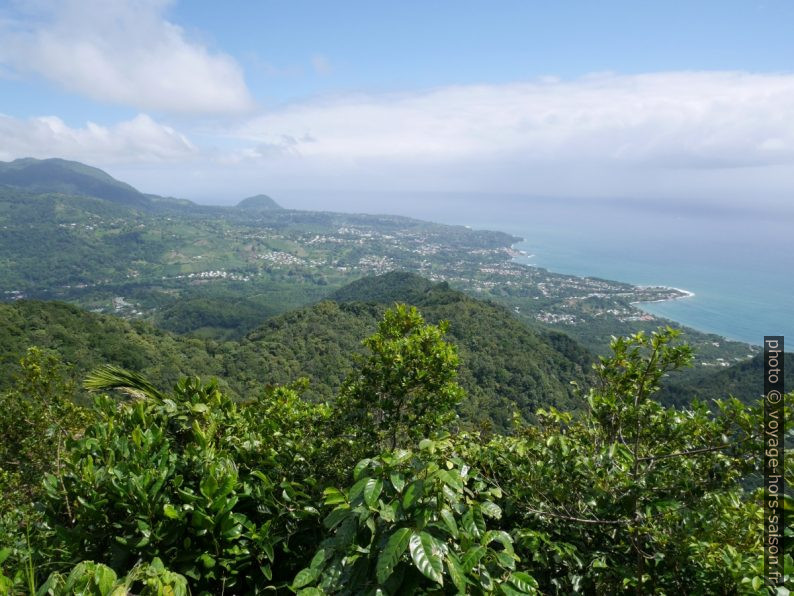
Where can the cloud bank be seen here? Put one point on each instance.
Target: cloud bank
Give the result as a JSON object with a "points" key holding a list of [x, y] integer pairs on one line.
{"points": [[140, 140], [122, 52], [677, 120], [669, 134]]}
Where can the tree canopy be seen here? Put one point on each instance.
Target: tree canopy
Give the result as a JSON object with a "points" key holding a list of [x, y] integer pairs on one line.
{"points": [[157, 491]]}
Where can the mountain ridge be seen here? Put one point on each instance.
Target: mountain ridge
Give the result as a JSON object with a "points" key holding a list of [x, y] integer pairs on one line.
{"points": [[506, 366]]}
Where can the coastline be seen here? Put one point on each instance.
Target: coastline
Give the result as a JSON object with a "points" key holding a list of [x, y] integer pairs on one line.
{"points": [[685, 294], [517, 253], [678, 294]]}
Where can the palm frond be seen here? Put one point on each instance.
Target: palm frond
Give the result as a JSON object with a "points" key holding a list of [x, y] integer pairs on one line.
{"points": [[112, 377]]}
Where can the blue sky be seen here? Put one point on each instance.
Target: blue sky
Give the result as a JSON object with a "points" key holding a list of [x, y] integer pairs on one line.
{"points": [[216, 100]]}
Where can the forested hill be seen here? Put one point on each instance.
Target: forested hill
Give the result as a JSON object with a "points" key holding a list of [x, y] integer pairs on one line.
{"points": [[258, 203], [505, 365], [68, 177], [744, 380]]}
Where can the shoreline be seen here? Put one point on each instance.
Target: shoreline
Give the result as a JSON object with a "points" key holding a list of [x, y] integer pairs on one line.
{"points": [[516, 253], [686, 294]]}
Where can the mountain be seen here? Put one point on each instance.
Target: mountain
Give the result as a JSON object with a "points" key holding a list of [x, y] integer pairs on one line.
{"points": [[506, 366], [258, 203], [68, 177]]}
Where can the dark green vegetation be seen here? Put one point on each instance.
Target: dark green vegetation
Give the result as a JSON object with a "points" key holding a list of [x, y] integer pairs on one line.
{"points": [[378, 492], [506, 365], [69, 178], [744, 380]]}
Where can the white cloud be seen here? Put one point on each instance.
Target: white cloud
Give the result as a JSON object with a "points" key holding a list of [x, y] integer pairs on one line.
{"points": [[664, 134], [123, 52], [138, 140], [691, 120], [673, 135]]}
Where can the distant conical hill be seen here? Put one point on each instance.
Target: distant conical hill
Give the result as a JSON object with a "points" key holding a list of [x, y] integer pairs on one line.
{"points": [[68, 177], [258, 203]]}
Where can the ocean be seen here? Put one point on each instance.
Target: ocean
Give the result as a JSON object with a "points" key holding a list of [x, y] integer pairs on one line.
{"points": [[738, 260]]}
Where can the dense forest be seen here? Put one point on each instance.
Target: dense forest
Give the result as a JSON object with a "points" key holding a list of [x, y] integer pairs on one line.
{"points": [[382, 490], [507, 366]]}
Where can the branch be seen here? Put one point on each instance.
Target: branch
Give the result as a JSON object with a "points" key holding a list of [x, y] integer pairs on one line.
{"points": [[581, 520], [692, 451]]}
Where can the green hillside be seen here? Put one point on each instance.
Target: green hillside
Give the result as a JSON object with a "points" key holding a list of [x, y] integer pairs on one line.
{"points": [[744, 380], [68, 177], [505, 365]]}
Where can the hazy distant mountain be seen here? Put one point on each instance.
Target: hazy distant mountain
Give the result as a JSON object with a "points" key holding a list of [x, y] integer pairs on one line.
{"points": [[258, 203], [68, 177]]}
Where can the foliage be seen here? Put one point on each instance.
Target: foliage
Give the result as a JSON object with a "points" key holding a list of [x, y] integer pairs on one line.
{"points": [[634, 496], [504, 365], [39, 414], [37, 418], [95, 579], [214, 488], [406, 387], [624, 496], [414, 522]]}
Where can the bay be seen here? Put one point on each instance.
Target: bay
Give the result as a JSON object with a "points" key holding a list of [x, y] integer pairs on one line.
{"points": [[737, 259]]}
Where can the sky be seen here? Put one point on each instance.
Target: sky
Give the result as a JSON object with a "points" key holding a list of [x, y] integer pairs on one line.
{"points": [[215, 101]]}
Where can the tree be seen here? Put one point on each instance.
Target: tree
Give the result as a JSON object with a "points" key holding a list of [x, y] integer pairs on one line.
{"points": [[632, 496], [38, 416], [218, 490], [407, 386], [415, 522]]}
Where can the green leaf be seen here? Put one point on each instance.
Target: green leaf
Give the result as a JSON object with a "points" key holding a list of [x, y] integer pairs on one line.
{"points": [[335, 517], [207, 560], [357, 489], [449, 520], [456, 572], [499, 536], [472, 557], [397, 481], [425, 557], [473, 522], [600, 563], [360, 467], [170, 511], [304, 578], [412, 494], [491, 509], [334, 496], [450, 479], [208, 486], [391, 553], [372, 490], [389, 512], [319, 559], [104, 578]]}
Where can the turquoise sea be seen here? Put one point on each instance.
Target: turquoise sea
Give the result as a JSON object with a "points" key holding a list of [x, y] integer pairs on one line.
{"points": [[738, 260]]}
